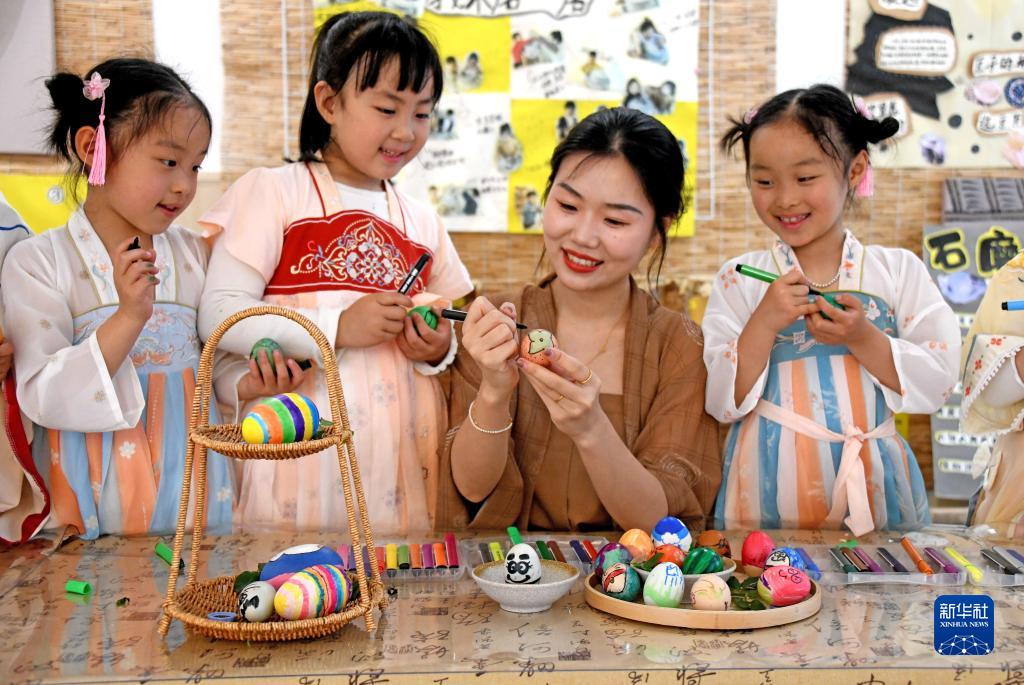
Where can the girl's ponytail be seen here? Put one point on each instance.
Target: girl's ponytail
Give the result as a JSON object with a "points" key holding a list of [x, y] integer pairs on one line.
{"points": [[72, 111]]}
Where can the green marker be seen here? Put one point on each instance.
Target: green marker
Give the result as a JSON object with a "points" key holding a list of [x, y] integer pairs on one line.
{"points": [[165, 553], [77, 587], [767, 277], [514, 536], [841, 560]]}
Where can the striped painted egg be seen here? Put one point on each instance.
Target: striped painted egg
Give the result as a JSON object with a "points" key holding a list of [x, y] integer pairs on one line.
{"points": [[281, 419], [313, 592]]}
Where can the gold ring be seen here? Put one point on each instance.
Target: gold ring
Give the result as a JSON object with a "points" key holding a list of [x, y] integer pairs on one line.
{"points": [[590, 374], [559, 399]]}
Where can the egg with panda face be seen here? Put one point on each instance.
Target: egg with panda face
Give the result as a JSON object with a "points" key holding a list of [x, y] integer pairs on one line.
{"points": [[256, 601], [522, 565]]}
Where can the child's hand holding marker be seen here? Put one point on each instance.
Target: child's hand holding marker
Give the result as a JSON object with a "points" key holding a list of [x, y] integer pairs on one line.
{"points": [[785, 301], [135, 280]]}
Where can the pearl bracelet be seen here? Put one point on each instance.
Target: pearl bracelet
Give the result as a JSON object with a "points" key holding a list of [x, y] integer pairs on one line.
{"points": [[484, 430]]}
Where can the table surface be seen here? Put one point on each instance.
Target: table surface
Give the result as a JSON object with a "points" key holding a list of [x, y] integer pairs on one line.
{"points": [[448, 631]]}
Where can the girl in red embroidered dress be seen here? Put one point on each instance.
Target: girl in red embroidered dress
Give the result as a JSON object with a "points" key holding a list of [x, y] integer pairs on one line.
{"points": [[332, 238]]}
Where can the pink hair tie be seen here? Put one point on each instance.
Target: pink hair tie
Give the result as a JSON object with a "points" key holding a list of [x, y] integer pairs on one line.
{"points": [[96, 87], [749, 115]]}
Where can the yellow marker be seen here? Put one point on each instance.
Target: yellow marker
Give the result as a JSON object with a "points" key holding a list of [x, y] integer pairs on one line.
{"points": [[496, 553], [975, 572], [391, 556]]}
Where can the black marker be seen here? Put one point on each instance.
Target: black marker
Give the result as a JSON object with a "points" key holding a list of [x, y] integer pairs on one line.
{"points": [[134, 245], [459, 315], [414, 273]]}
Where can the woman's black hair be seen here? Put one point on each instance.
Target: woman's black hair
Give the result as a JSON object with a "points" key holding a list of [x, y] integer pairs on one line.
{"points": [[140, 95], [825, 112], [649, 148], [364, 43]]}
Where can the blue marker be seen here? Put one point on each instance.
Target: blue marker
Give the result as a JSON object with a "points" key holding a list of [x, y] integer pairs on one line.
{"points": [[812, 569], [1013, 305]]}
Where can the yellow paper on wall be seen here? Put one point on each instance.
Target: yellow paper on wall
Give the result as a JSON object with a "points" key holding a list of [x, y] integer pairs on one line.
{"points": [[41, 199]]}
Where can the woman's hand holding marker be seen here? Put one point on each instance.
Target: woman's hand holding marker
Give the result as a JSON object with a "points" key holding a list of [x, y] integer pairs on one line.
{"points": [[489, 336]]}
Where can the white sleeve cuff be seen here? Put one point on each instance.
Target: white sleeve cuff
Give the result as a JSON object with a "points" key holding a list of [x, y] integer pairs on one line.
{"points": [[121, 393], [426, 369], [1006, 387]]}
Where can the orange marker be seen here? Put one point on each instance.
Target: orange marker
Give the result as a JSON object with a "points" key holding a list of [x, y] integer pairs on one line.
{"points": [[915, 557], [440, 559], [416, 556]]}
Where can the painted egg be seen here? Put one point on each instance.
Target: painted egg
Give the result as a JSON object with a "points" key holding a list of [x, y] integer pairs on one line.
{"points": [[256, 602], [281, 419], [716, 541], [664, 586], [756, 548], [672, 531], [427, 314], [621, 582], [785, 556], [781, 586], [535, 342], [314, 592], [669, 553], [638, 543], [702, 560], [522, 565], [268, 345], [611, 553], [294, 559], [710, 593]]}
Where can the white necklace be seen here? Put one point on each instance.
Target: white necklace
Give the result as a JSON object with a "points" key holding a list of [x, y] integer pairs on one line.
{"points": [[832, 281]]}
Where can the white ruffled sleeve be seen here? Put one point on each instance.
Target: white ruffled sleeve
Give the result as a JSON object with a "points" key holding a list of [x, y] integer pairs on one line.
{"points": [[733, 299], [927, 352], [61, 385]]}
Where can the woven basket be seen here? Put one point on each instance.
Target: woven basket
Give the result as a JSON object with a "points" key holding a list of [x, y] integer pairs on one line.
{"points": [[192, 604]]}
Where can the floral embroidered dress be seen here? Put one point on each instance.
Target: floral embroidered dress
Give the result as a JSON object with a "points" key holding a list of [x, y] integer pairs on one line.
{"points": [[293, 237], [813, 444], [993, 402], [109, 448]]}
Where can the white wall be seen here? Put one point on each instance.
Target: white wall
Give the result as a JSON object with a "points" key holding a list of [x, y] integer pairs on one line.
{"points": [[26, 60], [810, 42], [186, 37]]}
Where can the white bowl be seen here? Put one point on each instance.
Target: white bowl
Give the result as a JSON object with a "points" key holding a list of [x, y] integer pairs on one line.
{"points": [[729, 567], [556, 579]]}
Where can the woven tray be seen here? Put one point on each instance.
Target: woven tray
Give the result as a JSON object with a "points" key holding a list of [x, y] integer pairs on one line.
{"points": [[705, 620], [192, 604]]}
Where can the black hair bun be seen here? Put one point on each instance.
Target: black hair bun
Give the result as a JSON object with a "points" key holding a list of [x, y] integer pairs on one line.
{"points": [[877, 131], [65, 91]]}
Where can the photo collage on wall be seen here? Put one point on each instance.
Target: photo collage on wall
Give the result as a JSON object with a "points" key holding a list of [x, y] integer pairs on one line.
{"points": [[519, 74]]}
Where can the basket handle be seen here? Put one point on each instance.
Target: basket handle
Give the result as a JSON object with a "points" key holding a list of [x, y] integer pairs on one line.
{"points": [[204, 378]]}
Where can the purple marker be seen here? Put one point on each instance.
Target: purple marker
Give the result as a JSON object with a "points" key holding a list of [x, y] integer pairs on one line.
{"points": [[580, 552], [868, 561], [428, 557], [367, 564], [941, 559]]}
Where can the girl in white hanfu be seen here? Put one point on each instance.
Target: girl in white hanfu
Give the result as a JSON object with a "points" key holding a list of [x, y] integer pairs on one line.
{"points": [[811, 388], [102, 312], [331, 238]]}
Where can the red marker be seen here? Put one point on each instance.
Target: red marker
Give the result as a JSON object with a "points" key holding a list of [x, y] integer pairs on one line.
{"points": [[452, 549]]}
